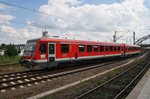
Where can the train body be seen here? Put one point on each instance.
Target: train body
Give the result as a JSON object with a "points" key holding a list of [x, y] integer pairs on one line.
{"points": [[49, 52]]}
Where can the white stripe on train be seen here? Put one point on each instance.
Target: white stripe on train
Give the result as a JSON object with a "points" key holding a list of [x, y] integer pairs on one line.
{"points": [[84, 57]]}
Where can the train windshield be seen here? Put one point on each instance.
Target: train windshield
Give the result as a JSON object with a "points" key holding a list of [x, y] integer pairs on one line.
{"points": [[29, 49]]}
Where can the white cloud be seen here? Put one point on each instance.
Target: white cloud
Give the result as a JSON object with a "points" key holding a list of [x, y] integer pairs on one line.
{"points": [[10, 34], [5, 16], [5, 19], [3, 7], [96, 21], [74, 19]]}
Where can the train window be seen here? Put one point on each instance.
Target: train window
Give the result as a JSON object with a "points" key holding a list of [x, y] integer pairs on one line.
{"points": [[81, 48], [118, 48], [111, 48], [51, 49], [115, 48], [106, 48], [43, 48], [101, 48], [95, 48], [89, 48], [64, 48]]}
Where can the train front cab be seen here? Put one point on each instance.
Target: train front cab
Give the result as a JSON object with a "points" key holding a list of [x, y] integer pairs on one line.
{"points": [[39, 54], [29, 55]]}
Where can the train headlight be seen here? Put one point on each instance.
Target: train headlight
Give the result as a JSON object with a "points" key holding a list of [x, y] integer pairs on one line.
{"points": [[31, 59]]}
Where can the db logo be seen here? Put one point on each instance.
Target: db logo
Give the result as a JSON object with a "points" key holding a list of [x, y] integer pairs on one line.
{"points": [[64, 55]]}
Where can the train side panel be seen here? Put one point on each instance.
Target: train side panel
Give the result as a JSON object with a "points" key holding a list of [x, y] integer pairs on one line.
{"points": [[50, 52]]}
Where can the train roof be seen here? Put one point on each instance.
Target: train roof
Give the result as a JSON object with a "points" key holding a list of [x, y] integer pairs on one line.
{"points": [[75, 41], [64, 41]]}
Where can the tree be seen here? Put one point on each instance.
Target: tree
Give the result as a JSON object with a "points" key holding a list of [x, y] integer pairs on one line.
{"points": [[11, 50], [3, 46]]}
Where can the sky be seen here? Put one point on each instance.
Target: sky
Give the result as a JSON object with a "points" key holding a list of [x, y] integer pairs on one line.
{"points": [[94, 20]]}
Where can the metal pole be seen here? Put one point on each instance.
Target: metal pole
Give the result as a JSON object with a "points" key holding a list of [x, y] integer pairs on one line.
{"points": [[126, 40], [114, 37], [130, 40], [133, 38]]}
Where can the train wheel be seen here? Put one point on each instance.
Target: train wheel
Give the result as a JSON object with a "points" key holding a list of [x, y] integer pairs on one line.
{"points": [[29, 65]]}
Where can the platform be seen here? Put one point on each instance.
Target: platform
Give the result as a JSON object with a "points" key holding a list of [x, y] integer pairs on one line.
{"points": [[142, 89]]}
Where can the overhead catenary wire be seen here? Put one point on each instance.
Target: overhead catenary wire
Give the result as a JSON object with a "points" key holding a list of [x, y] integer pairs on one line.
{"points": [[71, 20], [33, 10], [85, 25], [36, 11], [130, 13]]}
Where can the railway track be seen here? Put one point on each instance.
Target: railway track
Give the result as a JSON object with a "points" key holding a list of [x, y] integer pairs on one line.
{"points": [[119, 86], [27, 78]]}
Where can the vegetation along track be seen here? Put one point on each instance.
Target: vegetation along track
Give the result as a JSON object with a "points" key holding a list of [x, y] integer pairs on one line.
{"points": [[20, 79], [120, 85]]}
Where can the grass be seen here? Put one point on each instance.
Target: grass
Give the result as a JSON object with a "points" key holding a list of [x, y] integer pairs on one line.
{"points": [[6, 59], [10, 68]]}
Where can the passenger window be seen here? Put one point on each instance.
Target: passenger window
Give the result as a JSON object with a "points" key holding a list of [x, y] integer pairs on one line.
{"points": [[51, 49], [106, 48], [111, 48], [89, 48], [43, 48], [95, 48], [101, 48], [118, 48], [64, 48], [81, 48], [115, 49]]}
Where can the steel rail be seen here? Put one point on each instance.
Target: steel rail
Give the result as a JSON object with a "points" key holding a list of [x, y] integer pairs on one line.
{"points": [[95, 88], [52, 76], [121, 92]]}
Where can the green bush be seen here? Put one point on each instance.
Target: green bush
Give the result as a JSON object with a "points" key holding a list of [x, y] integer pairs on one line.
{"points": [[11, 51]]}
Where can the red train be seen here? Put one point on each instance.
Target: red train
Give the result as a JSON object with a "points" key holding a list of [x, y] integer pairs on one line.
{"points": [[49, 52]]}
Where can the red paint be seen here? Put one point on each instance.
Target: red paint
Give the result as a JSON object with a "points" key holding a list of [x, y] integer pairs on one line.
{"points": [[74, 51]]}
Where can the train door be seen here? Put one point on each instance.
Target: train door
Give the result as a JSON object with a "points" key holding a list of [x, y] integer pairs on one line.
{"points": [[51, 52]]}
